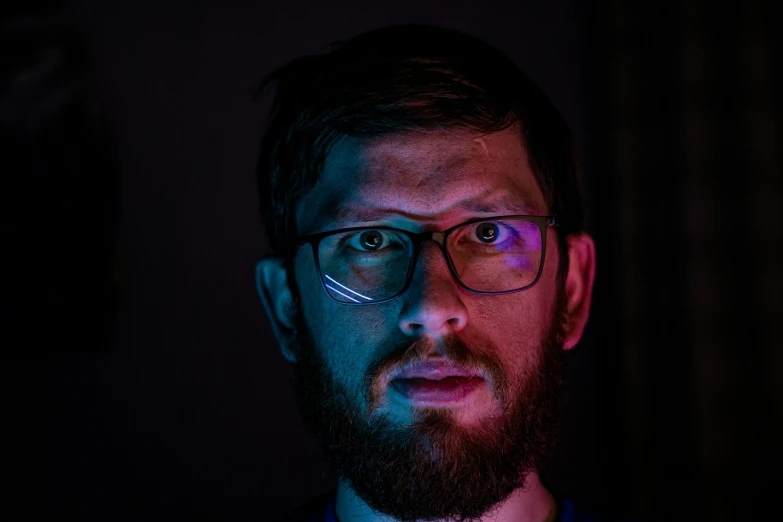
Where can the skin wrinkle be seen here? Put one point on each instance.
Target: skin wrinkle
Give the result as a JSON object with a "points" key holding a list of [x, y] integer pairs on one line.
{"points": [[424, 172], [385, 161], [361, 213]]}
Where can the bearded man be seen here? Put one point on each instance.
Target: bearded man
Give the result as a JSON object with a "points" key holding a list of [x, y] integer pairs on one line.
{"points": [[420, 193]]}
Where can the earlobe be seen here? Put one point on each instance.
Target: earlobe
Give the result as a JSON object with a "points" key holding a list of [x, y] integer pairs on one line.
{"points": [[578, 286], [272, 286]]}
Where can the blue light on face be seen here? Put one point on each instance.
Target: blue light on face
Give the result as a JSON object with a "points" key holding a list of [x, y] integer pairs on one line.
{"points": [[345, 287], [342, 294]]}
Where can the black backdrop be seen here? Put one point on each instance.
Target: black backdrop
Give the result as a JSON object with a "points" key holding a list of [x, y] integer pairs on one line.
{"points": [[185, 412]]}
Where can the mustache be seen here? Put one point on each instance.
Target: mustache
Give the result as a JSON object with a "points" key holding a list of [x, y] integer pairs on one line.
{"points": [[451, 348]]}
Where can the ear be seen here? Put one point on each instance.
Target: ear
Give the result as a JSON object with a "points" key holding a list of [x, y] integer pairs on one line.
{"points": [[272, 286], [578, 286]]}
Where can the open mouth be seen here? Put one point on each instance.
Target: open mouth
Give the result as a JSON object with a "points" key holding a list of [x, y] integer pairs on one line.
{"points": [[446, 390]]}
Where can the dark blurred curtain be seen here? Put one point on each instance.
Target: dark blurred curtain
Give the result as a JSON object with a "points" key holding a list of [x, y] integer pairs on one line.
{"points": [[60, 283], [689, 223], [59, 201]]}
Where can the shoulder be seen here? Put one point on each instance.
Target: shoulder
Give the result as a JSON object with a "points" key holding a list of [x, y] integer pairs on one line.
{"points": [[314, 510]]}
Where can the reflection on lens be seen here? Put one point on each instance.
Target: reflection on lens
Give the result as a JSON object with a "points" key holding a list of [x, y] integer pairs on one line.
{"points": [[354, 292], [364, 266]]}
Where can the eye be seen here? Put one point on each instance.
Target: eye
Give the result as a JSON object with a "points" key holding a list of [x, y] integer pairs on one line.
{"points": [[371, 240], [368, 242], [487, 232]]}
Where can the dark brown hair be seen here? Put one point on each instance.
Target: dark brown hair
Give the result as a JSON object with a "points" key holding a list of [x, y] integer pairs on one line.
{"points": [[400, 79]]}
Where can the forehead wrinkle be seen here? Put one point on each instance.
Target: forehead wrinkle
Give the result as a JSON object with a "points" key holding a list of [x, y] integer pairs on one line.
{"points": [[404, 175], [503, 204], [423, 158]]}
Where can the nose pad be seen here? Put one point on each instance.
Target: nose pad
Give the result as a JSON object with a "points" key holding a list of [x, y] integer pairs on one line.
{"points": [[433, 304]]}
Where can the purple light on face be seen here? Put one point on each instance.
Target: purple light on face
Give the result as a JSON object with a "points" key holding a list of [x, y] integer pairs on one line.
{"points": [[343, 286], [524, 261]]}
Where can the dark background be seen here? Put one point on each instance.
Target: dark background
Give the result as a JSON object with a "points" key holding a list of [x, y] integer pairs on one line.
{"points": [[133, 121]]}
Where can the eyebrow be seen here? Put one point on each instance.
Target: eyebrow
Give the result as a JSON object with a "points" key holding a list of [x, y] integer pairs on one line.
{"points": [[503, 205]]}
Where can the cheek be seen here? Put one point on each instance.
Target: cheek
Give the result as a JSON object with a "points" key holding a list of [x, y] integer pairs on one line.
{"points": [[349, 338], [523, 317], [512, 316], [515, 325]]}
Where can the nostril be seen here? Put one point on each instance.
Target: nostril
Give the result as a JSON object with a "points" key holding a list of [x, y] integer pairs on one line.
{"points": [[410, 327], [456, 322], [434, 324]]}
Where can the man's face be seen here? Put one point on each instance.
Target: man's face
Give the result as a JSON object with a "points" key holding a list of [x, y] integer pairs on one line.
{"points": [[415, 454]]}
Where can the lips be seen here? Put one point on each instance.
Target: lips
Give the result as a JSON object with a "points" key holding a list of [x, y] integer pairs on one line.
{"points": [[443, 391], [434, 369], [435, 382]]}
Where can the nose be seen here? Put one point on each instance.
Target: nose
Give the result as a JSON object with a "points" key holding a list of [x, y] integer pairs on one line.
{"points": [[433, 306]]}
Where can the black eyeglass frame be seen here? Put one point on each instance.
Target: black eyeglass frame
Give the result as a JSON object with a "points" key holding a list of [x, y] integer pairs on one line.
{"points": [[417, 238]]}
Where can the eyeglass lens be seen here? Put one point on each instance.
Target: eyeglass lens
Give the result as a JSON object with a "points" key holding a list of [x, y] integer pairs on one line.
{"points": [[366, 265]]}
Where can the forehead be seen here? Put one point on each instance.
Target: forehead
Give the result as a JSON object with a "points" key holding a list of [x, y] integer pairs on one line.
{"points": [[428, 177]]}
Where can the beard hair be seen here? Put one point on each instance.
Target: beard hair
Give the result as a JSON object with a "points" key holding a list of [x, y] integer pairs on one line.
{"points": [[434, 468]]}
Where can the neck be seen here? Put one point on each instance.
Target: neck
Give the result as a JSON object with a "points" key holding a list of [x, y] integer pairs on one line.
{"points": [[533, 503]]}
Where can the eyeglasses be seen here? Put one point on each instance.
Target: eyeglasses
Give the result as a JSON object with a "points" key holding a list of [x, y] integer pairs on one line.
{"points": [[371, 265]]}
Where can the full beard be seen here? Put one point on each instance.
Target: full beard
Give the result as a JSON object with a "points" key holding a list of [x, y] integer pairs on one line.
{"points": [[434, 468]]}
